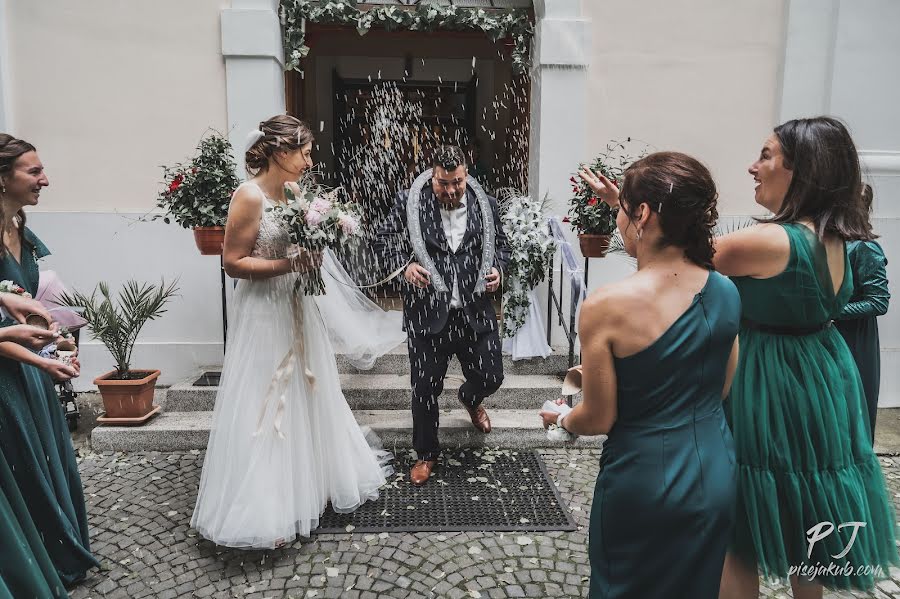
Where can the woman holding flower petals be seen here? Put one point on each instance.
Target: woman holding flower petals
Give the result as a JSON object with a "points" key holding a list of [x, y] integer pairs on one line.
{"points": [[284, 442], [34, 438]]}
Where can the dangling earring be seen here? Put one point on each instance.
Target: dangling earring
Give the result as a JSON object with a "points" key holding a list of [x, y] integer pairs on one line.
{"points": [[640, 232]]}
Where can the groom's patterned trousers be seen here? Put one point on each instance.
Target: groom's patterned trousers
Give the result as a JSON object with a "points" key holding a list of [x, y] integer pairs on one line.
{"points": [[481, 359]]}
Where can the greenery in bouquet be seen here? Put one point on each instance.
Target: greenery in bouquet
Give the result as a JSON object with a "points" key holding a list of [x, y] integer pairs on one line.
{"points": [[531, 253], [587, 213], [197, 193], [317, 219]]}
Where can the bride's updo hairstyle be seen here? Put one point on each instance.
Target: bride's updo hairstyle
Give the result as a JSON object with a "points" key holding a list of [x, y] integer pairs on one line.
{"points": [[281, 133], [683, 194]]}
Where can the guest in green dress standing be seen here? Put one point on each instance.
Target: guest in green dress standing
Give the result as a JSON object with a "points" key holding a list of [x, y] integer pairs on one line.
{"points": [[26, 571], [858, 322], [659, 350], [34, 438], [806, 468]]}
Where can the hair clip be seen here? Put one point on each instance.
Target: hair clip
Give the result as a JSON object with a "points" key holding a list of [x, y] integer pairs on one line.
{"points": [[671, 187]]}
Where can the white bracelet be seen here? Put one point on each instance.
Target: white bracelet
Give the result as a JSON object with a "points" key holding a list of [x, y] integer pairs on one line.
{"points": [[559, 423]]}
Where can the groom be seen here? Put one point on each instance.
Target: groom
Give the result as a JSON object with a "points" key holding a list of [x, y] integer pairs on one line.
{"points": [[447, 233]]}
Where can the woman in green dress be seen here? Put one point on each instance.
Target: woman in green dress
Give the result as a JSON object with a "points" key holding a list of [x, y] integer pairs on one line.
{"points": [[26, 571], [858, 321], [812, 505], [659, 349], [34, 438]]}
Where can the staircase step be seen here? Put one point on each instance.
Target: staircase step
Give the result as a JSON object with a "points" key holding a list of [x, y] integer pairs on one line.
{"points": [[392, 392], [180, 431]]}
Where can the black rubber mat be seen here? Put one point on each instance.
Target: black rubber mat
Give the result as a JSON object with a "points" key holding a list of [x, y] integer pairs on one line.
{"points": [[475, 489], [209, 378]]}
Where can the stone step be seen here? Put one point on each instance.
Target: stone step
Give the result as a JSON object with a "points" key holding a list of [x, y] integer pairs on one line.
{"points": [[397, 362], [392, 392], [179, 431]]}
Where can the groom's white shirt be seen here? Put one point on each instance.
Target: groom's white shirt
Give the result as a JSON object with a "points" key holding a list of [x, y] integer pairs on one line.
{"points": [[455, 222]]}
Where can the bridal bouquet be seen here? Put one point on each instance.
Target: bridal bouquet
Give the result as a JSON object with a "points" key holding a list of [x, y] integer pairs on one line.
{"points": [[317, 220], [531, 250]]}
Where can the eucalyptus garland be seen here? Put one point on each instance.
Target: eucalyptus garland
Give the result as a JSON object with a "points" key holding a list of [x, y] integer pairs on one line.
{"points": [[497, 24]]}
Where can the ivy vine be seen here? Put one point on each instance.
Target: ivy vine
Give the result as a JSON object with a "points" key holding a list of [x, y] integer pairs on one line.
{"points": [[497, 24]]}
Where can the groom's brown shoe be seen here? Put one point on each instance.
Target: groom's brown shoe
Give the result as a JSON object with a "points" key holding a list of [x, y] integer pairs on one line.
{"points": [[421, 472], [479, 418]]}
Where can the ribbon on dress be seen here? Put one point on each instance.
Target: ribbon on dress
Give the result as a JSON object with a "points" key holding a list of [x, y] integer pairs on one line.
{"points": [[295, 356]]}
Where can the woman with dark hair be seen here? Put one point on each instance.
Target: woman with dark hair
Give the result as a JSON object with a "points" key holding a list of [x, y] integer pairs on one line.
{"points": [[658, 351], [807, 475], [797, 407], [284, 443], [34, 438], [858, 321]]}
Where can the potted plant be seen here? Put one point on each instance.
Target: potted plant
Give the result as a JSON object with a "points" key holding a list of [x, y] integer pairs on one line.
{"points": [[127, 394], [592, 218], [196, 195]]}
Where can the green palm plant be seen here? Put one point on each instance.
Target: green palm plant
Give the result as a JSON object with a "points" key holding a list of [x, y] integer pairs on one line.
{"points": [[117, 324]]}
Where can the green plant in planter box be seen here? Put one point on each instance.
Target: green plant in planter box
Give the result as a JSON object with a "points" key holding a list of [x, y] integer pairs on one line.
{"points": [[197, 193], [587, 213], [117, 324]]}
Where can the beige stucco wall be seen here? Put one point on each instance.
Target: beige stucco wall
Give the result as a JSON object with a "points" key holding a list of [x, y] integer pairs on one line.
{"points": [[698, 76], [109, 90]]}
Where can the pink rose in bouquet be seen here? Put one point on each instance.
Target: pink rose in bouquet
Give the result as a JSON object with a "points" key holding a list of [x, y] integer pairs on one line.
{"points": [[314, 218], [321, 205]]}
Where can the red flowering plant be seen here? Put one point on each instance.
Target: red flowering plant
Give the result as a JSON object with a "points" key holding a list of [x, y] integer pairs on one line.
{"points": [[587, 213], [197, 193]]}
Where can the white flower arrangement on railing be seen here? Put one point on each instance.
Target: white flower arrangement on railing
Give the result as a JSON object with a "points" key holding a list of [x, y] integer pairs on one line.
{"points": [[531, 252]]}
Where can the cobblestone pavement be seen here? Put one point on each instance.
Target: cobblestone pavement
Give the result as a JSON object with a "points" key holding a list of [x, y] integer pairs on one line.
{"points": [[139, 506]]}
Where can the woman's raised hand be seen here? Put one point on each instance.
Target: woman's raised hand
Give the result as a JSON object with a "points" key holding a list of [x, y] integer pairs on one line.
{"points": [[605, 189]]}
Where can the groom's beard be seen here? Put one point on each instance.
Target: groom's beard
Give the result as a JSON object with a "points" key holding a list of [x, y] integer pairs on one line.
{"points": [[450, 201]]}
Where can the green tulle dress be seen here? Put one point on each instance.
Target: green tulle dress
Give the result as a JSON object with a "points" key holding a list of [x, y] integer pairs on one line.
{"points": [[35, 442], [797, 412]]}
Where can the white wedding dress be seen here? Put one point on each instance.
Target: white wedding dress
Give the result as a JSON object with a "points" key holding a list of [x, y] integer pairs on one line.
{"points": [[284, 442]]}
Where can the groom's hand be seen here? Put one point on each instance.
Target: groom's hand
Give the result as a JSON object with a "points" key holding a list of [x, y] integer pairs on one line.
{"points": [[493, 280], [417, 276]]}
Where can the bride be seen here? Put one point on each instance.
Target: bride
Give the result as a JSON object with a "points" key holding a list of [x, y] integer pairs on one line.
{"points": [[284, 442]]}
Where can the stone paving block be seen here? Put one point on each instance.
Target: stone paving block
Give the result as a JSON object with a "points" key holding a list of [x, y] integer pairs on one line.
{"points": [[129, 497]]}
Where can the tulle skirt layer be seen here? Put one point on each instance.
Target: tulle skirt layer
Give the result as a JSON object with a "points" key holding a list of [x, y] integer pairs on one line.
{"points": [[284, 442]]}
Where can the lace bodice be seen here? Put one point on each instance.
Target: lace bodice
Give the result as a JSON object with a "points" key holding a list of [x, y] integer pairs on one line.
{"points": [[273, 239]]}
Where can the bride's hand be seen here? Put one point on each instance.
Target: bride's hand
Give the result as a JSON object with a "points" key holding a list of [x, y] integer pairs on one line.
{"points": [[605, 189], [305, 261]]}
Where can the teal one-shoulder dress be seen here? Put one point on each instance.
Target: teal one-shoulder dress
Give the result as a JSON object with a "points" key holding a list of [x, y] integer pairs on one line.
{"points": [[664, 501]]}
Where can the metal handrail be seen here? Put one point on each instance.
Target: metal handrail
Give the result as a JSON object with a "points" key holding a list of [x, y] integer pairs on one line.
{"points": [[577, 288]]}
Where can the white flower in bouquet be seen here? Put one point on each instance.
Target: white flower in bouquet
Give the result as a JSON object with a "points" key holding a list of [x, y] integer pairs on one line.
{"points": [[348, 223]]}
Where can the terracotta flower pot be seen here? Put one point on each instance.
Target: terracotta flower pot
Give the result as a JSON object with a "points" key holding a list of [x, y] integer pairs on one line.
{"points": [[209, 240], [593, 246], [127, 401]]}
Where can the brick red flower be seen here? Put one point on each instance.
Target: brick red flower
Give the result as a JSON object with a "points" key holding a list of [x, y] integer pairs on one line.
{"points": [[593, 202], [176, 183]]}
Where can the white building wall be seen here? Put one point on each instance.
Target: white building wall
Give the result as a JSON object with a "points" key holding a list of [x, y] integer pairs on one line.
{"points": [[839, 60], [109, 91]]}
